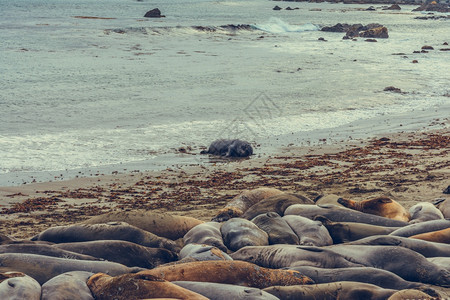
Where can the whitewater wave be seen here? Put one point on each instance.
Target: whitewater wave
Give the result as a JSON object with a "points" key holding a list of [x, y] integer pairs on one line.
{"points": [[276, 25], [222, 29]]}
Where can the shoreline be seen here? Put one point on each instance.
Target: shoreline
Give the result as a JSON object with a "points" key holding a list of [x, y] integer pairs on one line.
{"points": [[434, 118], [410, 167]]}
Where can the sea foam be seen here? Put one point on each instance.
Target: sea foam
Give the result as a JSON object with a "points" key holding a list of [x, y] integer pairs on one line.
{"points": [[276, 25]]}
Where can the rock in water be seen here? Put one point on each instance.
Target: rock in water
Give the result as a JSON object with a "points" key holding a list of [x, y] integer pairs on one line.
{"points": [[154, 13]]}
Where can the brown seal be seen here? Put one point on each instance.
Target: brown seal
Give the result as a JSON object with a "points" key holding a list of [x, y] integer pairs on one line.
{"points": [[229, 272], [162, 224], [439, 236], [136, 286], [380, 206], [242, 202]]}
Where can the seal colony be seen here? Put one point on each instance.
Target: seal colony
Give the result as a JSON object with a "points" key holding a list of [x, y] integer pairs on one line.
{"points": [[270, 241], [274, 245]]}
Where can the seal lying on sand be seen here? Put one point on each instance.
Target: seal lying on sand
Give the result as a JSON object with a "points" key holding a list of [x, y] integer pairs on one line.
{"points": [[17, 285], [230, 148], [110, 231], [380, 206], [136, 286], [70, 285], [229, 272], [242, 202]]}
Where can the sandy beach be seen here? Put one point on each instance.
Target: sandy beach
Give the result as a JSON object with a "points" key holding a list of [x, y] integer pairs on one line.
{"points": [[408, 167]]}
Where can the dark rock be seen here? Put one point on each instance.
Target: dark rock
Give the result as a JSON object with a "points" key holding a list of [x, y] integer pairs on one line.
{"points": [[445, 49], [154, 13], [393, 7], [427, 48], [371, 40], [379, 32], [433, 6], [277, 8], [392, 89], [447, 190], [445, 43], [289, 8], [370, 8], [416, 51], [322, 39], [336, 28]]}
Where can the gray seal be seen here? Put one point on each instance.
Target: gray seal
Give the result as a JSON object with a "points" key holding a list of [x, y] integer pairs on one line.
{"points": [[70, 285], [207, 233], [238, 233], [42, 268], [424, 211], [17, 285], [277, 228], [220, 291], [341, 214], [309, 232], [122, 252], [422, 227], [229, 148], [283, 256], [109, 231]]}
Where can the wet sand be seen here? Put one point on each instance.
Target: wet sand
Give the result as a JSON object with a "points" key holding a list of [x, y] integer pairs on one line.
{"points": [[409, 167]]}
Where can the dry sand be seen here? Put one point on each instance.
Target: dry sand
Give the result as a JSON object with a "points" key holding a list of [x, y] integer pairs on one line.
{"points": [[409, 167]]}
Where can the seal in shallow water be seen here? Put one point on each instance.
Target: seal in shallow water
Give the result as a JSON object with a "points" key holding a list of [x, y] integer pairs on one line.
{"points": [[230, 148]]}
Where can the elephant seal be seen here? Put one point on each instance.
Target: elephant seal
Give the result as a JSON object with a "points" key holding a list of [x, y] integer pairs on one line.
{"points": [[162, 224], [228, 272], [422, 227], [282, 256], [239, 204], [136, 286], [208, 234], [392, 259], [332, 291], [5, 239], [42, 268], [379, 277], [70, 285], [44, 249], [411, 294], [424, 211], [309, 232], [342, 232], [439, 236], [277, 203], [220, 291], [380, 206], [122, 252], [17, 285], [441, 261], [109, 231], [444, 206], [278, 229], [328, 199], [427, 249], [229, 148], [340, 214], [238, 233], [203, 252]]}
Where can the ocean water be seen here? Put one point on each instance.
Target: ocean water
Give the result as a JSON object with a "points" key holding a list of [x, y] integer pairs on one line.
{"points": [[121, 92]]}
